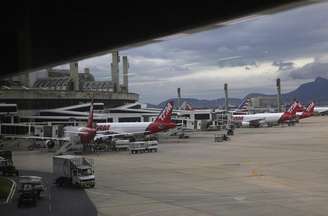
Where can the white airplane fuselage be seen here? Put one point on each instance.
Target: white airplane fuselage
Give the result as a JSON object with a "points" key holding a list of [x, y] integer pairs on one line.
{"points": [[262, 117], [320, 109], [127, 127]]}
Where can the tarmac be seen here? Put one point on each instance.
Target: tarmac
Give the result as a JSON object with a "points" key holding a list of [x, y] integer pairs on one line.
{"points": [[54, 200], [261, 171]]}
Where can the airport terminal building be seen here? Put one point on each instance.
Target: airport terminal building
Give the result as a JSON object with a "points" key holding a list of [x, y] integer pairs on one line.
{"points": [[43, 102], [32, 95]]}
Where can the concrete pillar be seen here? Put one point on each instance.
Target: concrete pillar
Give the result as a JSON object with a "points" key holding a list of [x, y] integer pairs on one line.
{"points": [[29, 129], [26, 80], [115, 71], [278, 95], [74, 74], [249, 104], [126, 73], [179, 97], [226, 99]]}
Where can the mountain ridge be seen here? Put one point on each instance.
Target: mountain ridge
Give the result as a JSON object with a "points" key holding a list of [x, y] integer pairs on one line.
{"points": [[316, 90]]}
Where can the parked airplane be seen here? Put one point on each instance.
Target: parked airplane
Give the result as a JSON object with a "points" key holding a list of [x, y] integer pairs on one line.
{"points": [[84, 135], [317, 109], [321, 110], [299, 106], [185, 106], [243, 107], [89, 133], [308, 112], [163, 122], [269, 118]]}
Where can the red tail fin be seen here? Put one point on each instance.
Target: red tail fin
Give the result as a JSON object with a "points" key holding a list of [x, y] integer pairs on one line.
{"points": [[90, 117], [300, 107], [310, 108], [293, 108], [165, 114]]}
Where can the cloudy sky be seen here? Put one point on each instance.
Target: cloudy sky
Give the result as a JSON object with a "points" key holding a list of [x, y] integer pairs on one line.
{"points": [[249, 56]]}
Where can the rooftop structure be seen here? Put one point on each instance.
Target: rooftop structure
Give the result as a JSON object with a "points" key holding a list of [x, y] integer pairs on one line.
{"points": [[56, 87]]}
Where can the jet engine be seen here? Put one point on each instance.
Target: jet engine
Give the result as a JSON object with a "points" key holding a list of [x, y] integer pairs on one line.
{"points": [[50, 144], [245, 124]]}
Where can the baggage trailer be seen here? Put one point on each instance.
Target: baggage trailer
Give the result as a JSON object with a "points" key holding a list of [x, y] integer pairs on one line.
{"points": [[152, 146], [143, 146], [137, 147], [120, 144], [74, 170]]}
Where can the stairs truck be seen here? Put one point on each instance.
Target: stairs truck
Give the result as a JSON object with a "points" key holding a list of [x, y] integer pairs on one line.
{"points": [[73, 170]]}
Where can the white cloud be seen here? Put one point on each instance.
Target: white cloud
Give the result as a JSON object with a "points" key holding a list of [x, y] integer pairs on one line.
{"points": [[301, 62], [210, 73], [141, 60]]}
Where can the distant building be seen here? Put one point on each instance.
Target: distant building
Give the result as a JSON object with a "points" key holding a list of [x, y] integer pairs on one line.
{"points": [[54, 88], [264, 102]]}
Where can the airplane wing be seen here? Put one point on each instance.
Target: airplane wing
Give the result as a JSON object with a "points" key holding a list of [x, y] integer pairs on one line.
{"points": [[256, 121], [183, 129], [76, 132], [104, 132], [119, 134], [40, 138]]}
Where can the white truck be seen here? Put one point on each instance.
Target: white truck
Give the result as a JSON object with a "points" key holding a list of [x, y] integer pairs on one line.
{"points": [[74, 170]]}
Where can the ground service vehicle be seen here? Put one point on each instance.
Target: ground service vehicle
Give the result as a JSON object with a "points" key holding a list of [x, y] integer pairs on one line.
{"points": [[152, 146], [143, 146], [6, 164], [6, 154], [74, 170], [27, 195], [221, 138], [121, 144], [137, 147], [35, 181]]}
